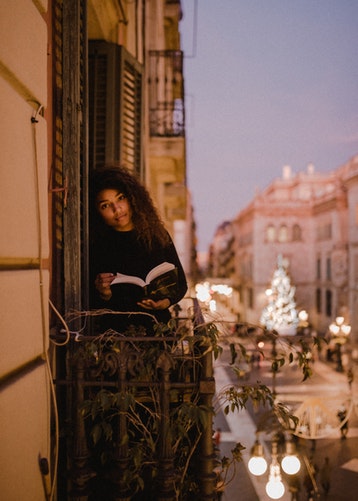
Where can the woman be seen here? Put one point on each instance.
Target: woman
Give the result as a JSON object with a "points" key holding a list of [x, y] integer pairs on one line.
{"points": [[128, 238]]}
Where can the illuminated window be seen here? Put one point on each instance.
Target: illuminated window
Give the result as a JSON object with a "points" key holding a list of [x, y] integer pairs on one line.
{"points": [[271, 233], [283, 233]]}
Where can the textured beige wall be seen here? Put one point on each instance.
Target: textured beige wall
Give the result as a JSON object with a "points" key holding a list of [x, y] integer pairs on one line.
{"points": [[23, 48], [23, 425], [24, 388], [18, 202], [21, 320]]}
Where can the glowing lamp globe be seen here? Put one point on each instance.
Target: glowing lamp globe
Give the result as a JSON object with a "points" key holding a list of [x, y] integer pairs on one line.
{"points": [[275, 489], [291, 464], [257, 465]]}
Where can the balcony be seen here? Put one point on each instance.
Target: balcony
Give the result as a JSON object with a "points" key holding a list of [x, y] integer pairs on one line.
{"points": [[136, 413], [166, 93]]}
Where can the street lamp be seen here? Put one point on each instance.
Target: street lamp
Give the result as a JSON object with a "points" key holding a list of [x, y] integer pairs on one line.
{"points": [[274, 487], [340, 333], [290, 464], [257, 464], [303, 324]]}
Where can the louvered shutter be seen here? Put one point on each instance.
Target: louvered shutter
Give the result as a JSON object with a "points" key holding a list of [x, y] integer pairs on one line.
{"points": [[115, 106]]}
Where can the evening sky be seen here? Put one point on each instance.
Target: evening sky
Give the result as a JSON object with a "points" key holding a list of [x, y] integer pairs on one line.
{"points": [[268, 83]]}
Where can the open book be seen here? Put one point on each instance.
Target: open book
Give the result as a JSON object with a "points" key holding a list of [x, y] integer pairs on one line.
{"points": [[161, 282]]}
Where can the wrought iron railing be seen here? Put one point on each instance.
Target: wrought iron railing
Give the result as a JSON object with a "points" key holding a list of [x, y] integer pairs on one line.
{"points": [[166, 93], [139, 414]]}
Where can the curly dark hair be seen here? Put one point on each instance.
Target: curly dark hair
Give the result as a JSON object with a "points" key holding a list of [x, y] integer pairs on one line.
{"points": [[146, 221]]}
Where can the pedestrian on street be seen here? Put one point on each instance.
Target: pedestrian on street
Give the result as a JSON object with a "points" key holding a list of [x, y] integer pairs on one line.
{"points": [[342, 416], [217, 440], [350, 377], [325, 476]]}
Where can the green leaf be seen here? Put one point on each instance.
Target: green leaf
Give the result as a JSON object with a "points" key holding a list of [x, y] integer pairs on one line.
{"points": [[237, 451], [307, 373], [233, 353], [96, 433], [243, 350], [107, 430]]}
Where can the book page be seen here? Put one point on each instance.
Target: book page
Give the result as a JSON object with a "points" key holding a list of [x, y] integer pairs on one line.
{"points": [[159, 270], [127, 279], [120, 278]]}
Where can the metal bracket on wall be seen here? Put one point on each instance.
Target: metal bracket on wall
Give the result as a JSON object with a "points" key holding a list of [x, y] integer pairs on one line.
{"points": [[63, 189]]}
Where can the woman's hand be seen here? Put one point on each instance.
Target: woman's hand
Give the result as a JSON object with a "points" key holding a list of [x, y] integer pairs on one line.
{"points": [[149, 304], [103, 285]]}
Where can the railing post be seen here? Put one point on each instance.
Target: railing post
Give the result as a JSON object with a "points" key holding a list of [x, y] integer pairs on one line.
{"points": [[207, 477], [167, 474], [122, 492], [81, 473]]}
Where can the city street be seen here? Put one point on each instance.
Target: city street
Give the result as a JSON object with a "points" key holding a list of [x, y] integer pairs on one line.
{"points": [[326, 384]]}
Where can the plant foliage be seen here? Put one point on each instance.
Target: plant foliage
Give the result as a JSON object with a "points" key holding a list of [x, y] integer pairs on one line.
{"points": [[123, 410]]}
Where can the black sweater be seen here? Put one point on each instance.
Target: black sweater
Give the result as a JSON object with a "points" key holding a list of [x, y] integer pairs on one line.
{"points": [[121, 252]]}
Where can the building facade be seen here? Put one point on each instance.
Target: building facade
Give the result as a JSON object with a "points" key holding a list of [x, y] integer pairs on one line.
{"points": [[311, 220], [82, 83]]}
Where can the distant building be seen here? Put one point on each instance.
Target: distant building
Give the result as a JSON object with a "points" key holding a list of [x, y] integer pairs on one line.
{"points": [[311, 219], [223, 263]]}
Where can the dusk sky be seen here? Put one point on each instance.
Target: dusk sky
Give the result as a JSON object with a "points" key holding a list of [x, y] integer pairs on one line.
{"points": [[268, 83]]}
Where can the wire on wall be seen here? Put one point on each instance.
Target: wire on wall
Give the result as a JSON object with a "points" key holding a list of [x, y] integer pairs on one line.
{"points": [[34, 121]]}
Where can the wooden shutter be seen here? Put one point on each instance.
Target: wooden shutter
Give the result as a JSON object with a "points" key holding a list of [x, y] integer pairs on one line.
{"points": [[115, 106]]}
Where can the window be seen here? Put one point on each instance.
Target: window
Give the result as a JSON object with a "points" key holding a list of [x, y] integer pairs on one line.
{"points": [[318, 301], [270, 233], [318, 268], [283, 233], [250, 294], [328, 303]]}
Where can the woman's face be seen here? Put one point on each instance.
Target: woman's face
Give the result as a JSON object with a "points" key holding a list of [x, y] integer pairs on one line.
{"points": [[115, 209]]}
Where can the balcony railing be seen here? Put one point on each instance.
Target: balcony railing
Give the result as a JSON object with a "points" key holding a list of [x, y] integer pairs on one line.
{"points": [[166, 93], [138, 414]]}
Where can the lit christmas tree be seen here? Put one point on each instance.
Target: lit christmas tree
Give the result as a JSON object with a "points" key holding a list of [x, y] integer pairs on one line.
{"points": [[280, 314]]}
